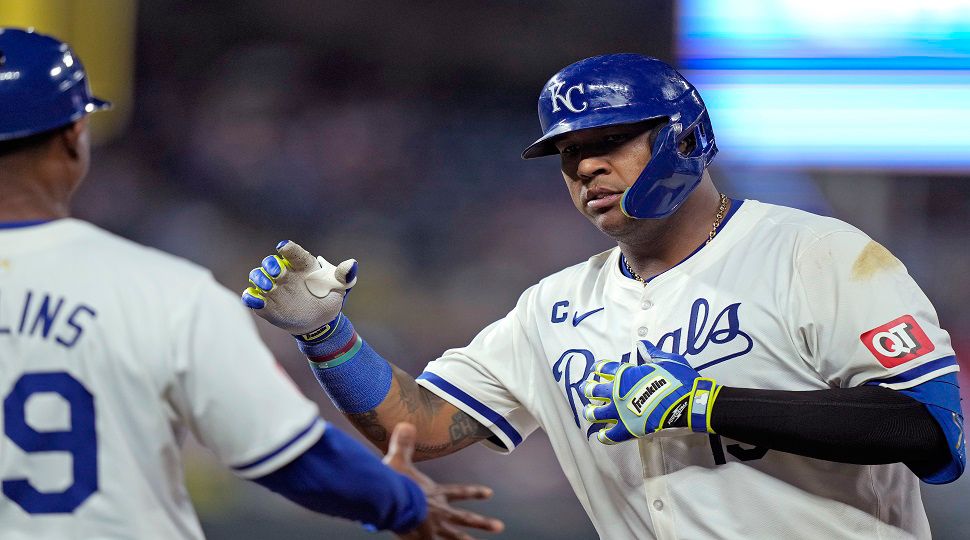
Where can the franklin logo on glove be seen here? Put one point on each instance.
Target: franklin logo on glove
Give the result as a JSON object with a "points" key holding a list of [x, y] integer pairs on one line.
{"points": [[647, 394]]}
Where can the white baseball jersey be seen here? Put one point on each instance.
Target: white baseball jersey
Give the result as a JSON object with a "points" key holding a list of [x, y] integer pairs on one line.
{"points": [[109, 353], [780, 299]]}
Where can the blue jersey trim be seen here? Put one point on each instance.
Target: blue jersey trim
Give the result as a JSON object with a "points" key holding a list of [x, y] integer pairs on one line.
{"points": [[478, 406], [279, 450], [918, 371], [735, 205], [22, 224]]}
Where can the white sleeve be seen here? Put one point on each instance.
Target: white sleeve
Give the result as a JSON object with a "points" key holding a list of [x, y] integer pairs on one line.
{"points": [[235, 398], [862, 317], [487, 378]]}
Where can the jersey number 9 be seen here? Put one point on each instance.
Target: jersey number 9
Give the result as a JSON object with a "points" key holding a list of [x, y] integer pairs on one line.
{"points": [[80, 440]]}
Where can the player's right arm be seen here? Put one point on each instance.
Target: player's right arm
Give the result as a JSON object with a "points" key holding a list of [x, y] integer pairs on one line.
{"points": [[222, 383], [304, 296], [442, 428]]}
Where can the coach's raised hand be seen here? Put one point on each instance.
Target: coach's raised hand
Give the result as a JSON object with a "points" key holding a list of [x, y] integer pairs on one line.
{"points": [[443, 520], [298, 292]]}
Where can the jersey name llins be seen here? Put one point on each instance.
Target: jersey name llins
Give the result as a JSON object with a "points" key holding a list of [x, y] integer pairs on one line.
{"points": [[45, 315]]}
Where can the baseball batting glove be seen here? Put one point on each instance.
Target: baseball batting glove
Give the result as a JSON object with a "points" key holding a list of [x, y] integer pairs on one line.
{"points": [[635, 401], [299, 293]]}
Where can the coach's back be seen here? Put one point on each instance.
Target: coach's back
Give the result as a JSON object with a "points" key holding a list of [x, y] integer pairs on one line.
{"points": [[103, 369]]}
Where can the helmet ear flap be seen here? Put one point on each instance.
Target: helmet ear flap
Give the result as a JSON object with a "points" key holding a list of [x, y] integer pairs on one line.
{"points": [[690, 136], [670, 130], [705, 136], [688, 143], [698, 137]]}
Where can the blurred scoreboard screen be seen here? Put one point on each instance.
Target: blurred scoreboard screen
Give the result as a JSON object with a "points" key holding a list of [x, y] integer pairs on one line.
{"points": [[833, 83]]}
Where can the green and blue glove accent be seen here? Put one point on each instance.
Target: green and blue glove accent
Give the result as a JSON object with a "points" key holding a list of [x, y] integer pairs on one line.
{"points": [[635, 401]]}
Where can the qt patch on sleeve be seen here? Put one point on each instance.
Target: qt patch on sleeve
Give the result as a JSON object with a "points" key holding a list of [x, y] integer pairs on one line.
{"points": [[897, 341]]}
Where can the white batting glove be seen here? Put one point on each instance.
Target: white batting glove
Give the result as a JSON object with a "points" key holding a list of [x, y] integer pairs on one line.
{"points": [[299, 293]]}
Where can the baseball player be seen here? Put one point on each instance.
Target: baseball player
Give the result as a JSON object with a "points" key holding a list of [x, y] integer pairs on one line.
{"points": [[104, 371], [732, 369]]}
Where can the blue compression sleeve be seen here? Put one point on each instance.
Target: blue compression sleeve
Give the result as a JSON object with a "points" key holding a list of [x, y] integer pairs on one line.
{"points": [[340, 477], [356, 378]]}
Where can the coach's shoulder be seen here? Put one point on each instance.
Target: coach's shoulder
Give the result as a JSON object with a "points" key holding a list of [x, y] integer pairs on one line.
{"points": [[124, 255]]}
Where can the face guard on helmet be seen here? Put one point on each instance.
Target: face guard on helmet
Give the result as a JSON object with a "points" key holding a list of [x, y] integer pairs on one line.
{"points": [[42, 85], [627, 89]]}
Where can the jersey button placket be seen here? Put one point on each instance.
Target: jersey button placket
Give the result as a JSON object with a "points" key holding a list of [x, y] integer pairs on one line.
{"points": [[643, 319], [655, 487]]}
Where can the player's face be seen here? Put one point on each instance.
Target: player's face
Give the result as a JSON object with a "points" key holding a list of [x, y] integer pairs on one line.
{"points": [[598, 166]]}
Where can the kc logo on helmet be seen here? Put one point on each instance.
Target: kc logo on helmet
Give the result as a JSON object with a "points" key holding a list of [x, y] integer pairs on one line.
{"points": [[566, 98], [897, 342]]}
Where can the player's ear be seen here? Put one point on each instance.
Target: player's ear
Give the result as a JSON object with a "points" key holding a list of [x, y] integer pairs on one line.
{"points": [[72, 138]]}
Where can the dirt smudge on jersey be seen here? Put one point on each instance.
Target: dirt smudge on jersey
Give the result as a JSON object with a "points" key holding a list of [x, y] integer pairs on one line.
{"points": [[872, 259]]}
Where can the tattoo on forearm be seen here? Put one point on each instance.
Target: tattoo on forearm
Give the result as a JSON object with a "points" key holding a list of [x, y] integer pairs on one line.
{"points": [[414, 398], [463, 431], [410, 392], [465, 427], [420, 407], [368, 424], [431, 450]]}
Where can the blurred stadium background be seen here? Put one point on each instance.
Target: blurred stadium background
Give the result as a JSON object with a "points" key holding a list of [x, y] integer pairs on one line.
{"points": [[391, 133]]}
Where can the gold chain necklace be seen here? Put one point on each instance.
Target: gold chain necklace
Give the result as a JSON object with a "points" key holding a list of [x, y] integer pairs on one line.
{"points": [[717, 223]]}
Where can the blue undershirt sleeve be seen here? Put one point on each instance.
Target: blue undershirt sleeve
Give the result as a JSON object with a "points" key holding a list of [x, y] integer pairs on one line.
{"points": [[338, 476], [941, 396]]}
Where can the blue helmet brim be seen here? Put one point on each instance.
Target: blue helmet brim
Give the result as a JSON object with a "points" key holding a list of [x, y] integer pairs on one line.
{"points": [[97, 104], [546, 145]]}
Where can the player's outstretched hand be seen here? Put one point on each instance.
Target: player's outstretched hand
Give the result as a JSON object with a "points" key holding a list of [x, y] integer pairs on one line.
{"points": [[635, 401], [298, 292], [443, 520]]}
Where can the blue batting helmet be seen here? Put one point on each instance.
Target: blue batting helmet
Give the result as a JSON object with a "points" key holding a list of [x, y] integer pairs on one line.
{"points": [[626, 89], [42, 84]]}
